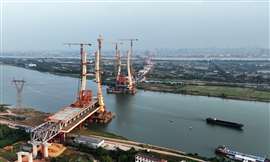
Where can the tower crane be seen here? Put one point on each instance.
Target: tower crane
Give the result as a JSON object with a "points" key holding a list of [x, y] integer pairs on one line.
{"points": [[84, 96], [118, 59]]}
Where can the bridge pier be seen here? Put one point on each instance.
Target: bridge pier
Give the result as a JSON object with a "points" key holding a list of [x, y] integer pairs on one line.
{"points": [[19, 159], [45, 150], [62, 137], [34, 150], [21, 153], [30, 158]]}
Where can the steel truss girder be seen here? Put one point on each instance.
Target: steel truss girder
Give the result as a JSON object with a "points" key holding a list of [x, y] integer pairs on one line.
{"points": [[45, 132]]}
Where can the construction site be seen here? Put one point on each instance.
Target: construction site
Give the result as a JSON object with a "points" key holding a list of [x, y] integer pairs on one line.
{"points": [[49, 131], [86, 109], [124, 82]]}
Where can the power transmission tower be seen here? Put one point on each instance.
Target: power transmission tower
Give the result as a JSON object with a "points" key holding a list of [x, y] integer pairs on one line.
{"points": [[19, 84]]}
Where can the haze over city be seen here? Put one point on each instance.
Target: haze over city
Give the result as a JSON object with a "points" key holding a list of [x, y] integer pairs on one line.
{"points": [[198, 24]]}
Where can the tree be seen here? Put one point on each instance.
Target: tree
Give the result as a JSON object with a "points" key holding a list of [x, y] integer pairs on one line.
{"points": [[106, 158]]}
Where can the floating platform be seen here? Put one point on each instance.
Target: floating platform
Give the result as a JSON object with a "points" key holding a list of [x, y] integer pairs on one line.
{"points": [[102, 117], [119, 90]]}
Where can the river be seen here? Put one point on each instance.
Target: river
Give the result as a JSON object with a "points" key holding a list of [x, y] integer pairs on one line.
{"points": [[170, 120]]}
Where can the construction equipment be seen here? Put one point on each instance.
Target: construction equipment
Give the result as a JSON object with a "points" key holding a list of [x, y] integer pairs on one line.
{"points": [[117, 60], [124, 84], [86, 109], [84, 96], [131, 79], [131, 40]]}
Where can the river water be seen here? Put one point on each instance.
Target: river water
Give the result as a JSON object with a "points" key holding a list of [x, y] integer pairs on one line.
{"points": [[171, 120]]}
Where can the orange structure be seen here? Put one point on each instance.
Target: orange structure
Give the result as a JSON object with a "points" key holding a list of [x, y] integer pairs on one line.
{"points": [[84, 96], [124, 84]]}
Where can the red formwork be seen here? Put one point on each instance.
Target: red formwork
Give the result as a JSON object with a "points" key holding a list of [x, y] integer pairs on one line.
{"points": [[84, 99]]}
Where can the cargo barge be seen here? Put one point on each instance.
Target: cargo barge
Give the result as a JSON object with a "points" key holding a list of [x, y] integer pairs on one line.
{"points": [[215, 121], [238, 156]]}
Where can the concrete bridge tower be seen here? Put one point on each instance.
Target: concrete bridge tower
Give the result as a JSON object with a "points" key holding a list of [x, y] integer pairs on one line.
{"points": [[98, 76]]}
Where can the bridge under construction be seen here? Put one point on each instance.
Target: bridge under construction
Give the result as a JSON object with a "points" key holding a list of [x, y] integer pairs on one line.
{"points": [[86, 108], [123, 84]]}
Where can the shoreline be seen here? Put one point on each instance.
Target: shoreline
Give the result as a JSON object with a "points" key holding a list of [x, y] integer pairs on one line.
{"points": [[145, 146], [31, 113], [180, 90], [164, 88]]}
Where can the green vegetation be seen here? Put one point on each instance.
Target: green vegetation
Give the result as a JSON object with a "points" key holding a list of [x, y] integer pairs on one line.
{"points": [[10, 156], [9, 136], [101, 154], [118, 154], [128, 156], [213, 91], [3, 107], [212, 159], [228, 92], [87, 132]]}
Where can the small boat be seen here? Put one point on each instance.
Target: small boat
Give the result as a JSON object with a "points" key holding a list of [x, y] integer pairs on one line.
{"points": [[171, 121], [215, 121]]}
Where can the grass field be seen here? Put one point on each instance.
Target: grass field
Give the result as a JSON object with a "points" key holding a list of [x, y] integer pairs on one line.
{"points": [[88, 132], [228, 92], [211, 91]]}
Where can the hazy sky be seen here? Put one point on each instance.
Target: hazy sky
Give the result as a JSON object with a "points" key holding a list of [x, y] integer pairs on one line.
{"points": [[39, 26]]}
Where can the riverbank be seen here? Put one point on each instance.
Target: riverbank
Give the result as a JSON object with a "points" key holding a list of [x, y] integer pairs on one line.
{"points": [[142, 117], [22, 116], [14, 136], [221, 91], [10, 142], [225, 92], [88, 132], [171, 155]]}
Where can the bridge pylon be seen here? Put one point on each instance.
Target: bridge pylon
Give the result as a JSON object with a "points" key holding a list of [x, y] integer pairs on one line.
{"points": [[98, 76]]}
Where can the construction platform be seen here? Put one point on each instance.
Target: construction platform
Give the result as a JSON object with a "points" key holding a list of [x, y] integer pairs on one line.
{"points": [[65, 114], [71, 117]]}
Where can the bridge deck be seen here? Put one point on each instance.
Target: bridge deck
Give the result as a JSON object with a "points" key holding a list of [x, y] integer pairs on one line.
{"points": [[78, 120], [63, 121], [65, 114]]}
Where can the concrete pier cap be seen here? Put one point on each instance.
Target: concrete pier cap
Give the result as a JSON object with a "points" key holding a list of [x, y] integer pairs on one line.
{"points": [[22, 153], [45, 149], [34, 149]]}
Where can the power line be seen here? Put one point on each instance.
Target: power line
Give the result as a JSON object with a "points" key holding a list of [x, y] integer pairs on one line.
{"points": [[19, 84]]}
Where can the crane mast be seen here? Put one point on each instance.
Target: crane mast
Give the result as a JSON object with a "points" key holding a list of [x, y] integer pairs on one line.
{"points": [[83, 54], [84, 96]]}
